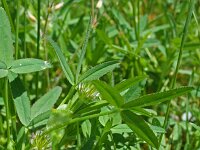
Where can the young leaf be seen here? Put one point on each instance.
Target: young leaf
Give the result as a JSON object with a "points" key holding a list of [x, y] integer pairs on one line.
{"points": [[156, 98], [46, 102], [122, 86], [98, 71], [6, 43], [29, 65], [65, 67], [109, 93], [86, 128], [21, 99], [140, 127]]}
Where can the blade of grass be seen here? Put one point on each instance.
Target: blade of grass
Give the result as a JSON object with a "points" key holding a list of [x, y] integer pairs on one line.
{"points": [[83, 50], [184, 35], [17, 31], [38, 43]]}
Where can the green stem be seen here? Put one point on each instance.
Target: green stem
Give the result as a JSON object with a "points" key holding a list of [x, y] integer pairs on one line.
{"points": [[63, 125], [7, 110], [25, 9], [44, 44], [191, 6], [187, 112], [38, 43], [69, 95], [78, 137], [17, 32]]}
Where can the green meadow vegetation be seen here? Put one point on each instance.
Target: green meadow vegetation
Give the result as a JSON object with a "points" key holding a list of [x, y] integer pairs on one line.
{"points": [[99, 74]]}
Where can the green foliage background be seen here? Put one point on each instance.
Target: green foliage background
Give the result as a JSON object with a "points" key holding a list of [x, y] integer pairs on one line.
{"points": [[76, 76]]}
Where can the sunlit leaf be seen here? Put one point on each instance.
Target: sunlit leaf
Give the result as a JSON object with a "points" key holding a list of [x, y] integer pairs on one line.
{"points": [[29, 65]]}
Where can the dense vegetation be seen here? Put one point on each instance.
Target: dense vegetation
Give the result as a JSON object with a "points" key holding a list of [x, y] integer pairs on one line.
{"points": [[89, 75]]}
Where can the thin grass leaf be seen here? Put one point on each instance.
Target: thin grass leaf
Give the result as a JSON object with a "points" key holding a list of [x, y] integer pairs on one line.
{"points": [[29, 65], [6, 43], [21, 99], [46, 102], [122, 86], [65, 67], [184, 36], [83, 50], [140, 127], [109, 93], [156, 98], [98, 71]]}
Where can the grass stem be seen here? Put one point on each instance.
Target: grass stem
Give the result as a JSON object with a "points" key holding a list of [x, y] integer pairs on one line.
{"points": [[38, 43], [185, 29], [7, 110], [17, 32]]}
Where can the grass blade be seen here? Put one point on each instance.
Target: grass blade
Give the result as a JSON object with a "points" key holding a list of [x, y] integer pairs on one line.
{"points": [[140, 127], [156, 98], [83, 50], [98, 71]]}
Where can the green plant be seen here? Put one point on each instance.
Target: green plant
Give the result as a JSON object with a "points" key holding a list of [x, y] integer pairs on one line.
{"points": [[110, 92]]}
